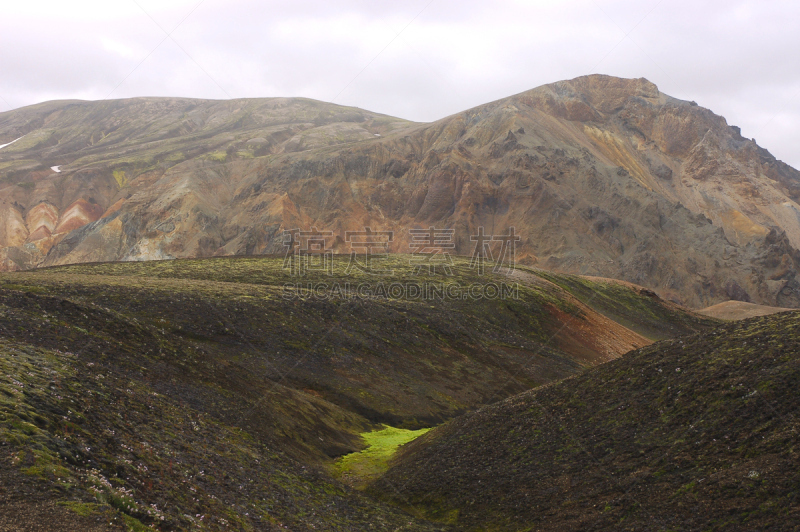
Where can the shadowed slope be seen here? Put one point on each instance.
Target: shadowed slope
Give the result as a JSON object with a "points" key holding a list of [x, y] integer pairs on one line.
{"points": [[207, 389], [691, 434]]}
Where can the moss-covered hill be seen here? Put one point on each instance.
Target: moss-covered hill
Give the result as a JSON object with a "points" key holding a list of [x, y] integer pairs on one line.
{"points": [[637, 308], [692, 434], [203, 393]]}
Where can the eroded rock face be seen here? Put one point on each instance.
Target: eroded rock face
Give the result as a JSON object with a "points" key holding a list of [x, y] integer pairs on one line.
{"points": [[13, 231], [80, 213], [599, 175], [41, 221]]}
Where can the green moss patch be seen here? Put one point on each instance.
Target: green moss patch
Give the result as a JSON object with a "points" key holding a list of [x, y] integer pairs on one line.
{"points": [[359, 468]]}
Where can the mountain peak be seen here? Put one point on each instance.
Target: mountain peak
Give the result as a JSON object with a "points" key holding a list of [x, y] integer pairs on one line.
{"points": [[605, 176]]}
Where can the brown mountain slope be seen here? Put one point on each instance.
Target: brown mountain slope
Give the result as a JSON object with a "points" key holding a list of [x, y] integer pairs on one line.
{"points": [[600, 175], [739, 310], [75, 162]]}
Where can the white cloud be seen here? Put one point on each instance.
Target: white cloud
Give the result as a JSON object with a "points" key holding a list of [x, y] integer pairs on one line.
{"points": [[736, 57]]}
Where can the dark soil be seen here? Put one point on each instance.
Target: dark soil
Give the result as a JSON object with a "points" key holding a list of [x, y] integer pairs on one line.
{"points": [[192, 395], [691, 434]]}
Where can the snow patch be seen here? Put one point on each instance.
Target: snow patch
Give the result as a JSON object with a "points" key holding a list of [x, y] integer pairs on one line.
{"points": [[10, 143], [56, 169]]}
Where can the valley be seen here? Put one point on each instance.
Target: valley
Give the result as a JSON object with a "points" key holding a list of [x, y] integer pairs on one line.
{"points": [[195, 394], [690, 434], [193, 335]]}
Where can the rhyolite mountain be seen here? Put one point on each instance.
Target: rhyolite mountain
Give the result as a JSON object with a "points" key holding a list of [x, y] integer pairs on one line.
{"points": [[599, 175]]}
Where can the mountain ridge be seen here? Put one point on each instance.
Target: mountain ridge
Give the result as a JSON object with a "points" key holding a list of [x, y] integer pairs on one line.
{"points": [[605, 176]]}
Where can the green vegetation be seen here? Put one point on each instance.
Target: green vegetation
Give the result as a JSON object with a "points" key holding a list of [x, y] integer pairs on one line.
{"points": [[120, 178], [81, 508], [118, 444], [364, 466], [218, 156]]}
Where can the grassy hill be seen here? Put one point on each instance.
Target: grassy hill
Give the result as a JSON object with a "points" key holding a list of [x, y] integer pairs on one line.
{"points": [[698, 433], [142, 134], [205, 394]]}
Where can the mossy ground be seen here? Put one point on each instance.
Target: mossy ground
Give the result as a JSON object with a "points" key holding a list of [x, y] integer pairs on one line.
{"points": [[696, 433], [361, 467], [194, 390], [101, 440]]}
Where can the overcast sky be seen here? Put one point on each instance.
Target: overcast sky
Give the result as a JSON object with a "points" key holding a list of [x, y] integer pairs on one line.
{"points": [[417, 59]]}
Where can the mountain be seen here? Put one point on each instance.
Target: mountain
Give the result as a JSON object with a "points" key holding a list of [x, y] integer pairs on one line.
{"points": [[75, 163], [599, 175], [692, 434], [215, 394]]}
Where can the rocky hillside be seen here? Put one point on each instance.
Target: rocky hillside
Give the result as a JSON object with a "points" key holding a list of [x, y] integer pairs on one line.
{"points": [[74, 163], [692, 434], [600, 176], [194, 394]]}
